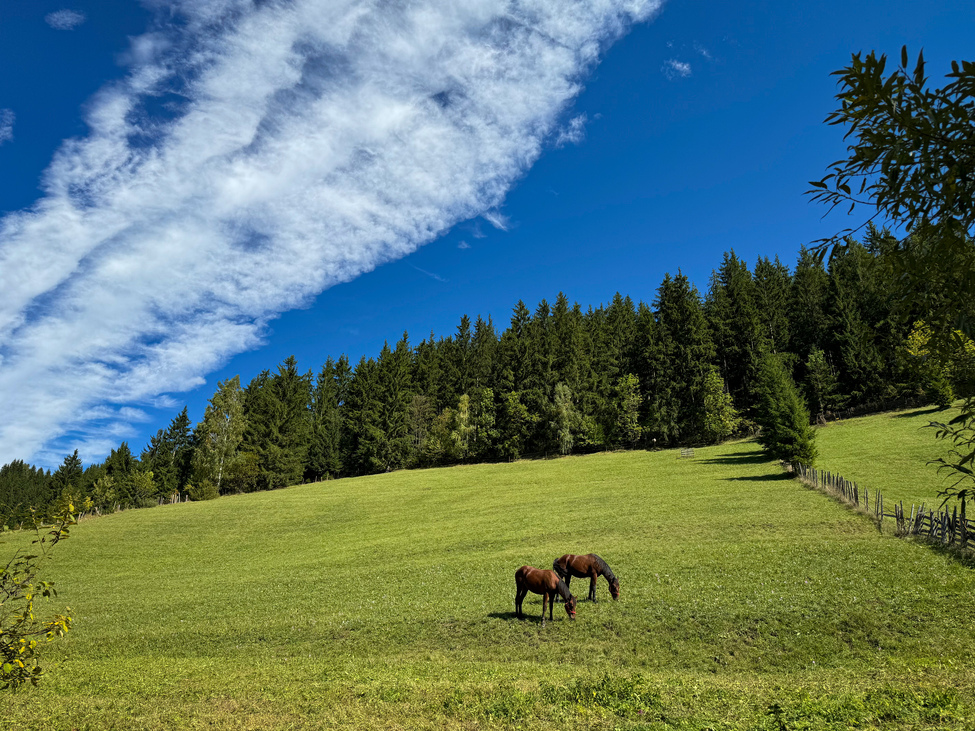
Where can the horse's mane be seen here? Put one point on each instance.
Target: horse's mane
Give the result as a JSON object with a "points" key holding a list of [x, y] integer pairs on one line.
{"points": [[563, 590], [604, 568]]}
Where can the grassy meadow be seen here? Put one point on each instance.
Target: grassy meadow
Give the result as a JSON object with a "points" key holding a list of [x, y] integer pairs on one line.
{"points": [[387, 602], [889, 452]]}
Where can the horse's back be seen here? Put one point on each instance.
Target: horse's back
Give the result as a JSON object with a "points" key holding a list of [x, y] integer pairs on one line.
{"points": [[536, 580]]}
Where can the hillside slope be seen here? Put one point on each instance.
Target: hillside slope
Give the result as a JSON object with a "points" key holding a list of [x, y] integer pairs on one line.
{"points": [[387, 602]]}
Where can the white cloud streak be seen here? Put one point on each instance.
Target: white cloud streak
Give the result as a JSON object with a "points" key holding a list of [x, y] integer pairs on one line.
{"points": [[64, 19], [256, 154], [573, 133], [6, 125], [674, 69]]}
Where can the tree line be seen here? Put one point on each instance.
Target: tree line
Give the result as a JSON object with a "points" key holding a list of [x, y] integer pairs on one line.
{"points": [[759, 350]]}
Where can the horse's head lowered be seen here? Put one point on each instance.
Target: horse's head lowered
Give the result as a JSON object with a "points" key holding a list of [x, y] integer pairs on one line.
{"points": [[614, 588], [570, 607]]}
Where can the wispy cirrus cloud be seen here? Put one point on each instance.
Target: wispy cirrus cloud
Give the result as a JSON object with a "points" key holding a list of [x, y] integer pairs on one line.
{"points": [[573, 133], [256, 154], [6, 125], [674, 69], [65, 19]]}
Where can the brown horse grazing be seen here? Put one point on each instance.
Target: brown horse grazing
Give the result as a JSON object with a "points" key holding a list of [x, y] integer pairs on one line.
{"points": [[591, 566], [546, 583]]}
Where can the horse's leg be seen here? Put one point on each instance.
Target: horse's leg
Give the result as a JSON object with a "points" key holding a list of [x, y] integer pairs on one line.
{"points": [[592, 586], [519, 598], [544, 599]]}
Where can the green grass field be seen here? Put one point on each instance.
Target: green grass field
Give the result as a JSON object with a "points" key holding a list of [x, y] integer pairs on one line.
{"points": [[889, 452], [387, 602]]}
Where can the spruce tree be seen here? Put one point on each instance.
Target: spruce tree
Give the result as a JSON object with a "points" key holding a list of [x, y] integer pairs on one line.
{"points": [[484, 345], [739, 336], [773, 285], [687, 352], [278, 425], [808, 298], [325, 448], [786, 433]]}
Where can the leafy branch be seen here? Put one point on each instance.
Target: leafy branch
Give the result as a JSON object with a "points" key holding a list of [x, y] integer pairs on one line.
{"points": [[912, 148], [21, 630]]}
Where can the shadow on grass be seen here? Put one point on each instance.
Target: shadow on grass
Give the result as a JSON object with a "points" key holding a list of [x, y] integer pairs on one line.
{"points": [[503, 615], [920, 412], [529, 617], [965, 557], [762, 478], [755, 457]]}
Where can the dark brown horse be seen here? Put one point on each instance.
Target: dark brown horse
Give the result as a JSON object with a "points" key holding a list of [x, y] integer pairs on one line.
{"points": [[546, 583], [591, 566]]}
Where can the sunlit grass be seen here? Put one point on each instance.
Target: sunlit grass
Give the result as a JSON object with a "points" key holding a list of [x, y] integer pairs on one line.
{"points": [[890, 452], [748, 601]]}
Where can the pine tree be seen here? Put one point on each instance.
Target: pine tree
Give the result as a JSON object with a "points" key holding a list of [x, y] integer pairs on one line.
{"points": [[157, 457], [809, 293], [428, 372], [773, 285], [22, 487], [739, 336], [649, 366], [853, 325], [277, 411], [484, 346], [568, 363], [361, 412], [820, 381], [784, 418], [687, 352], [325, 448], [179, 439]]}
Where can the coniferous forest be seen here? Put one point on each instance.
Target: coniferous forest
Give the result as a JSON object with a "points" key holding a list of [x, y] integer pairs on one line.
{"points": [[765, 350]]}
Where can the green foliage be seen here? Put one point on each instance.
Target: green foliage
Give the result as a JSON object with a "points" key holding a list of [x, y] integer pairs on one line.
{"points": [[218, 437], [740, 335], [821, 382], [784, 418], [515, 424], [21, 630], [202, 490], [566, 421], [22, 486], [911, 155], [683, 354], [627, 429], [277, 427], [959, 463], [721, 418]]}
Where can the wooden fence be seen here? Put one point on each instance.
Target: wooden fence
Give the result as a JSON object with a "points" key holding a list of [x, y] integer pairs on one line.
{"points": [[944, 526]]}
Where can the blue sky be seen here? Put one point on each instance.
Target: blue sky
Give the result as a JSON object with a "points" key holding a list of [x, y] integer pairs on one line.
{"points": [[196, 189]]}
